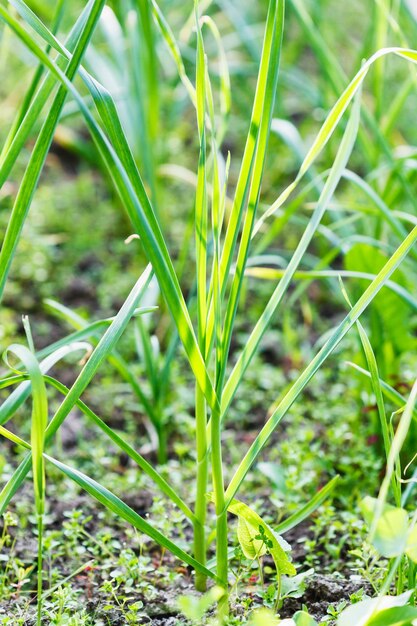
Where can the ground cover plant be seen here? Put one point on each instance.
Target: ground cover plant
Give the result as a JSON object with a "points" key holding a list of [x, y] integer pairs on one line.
{"points": [[253, 256]]}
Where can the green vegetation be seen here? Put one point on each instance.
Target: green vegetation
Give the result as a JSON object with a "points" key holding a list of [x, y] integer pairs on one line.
{"points": [[213, 207]]}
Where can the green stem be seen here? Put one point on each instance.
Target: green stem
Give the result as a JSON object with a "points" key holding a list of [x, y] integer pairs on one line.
{"points": [[200, 552], [261, 573], [40, 581], [400, 578], [221, 514], [279, 588], [411, 575]]}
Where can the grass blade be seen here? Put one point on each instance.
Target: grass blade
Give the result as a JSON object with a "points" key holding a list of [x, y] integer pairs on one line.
{"points": [[37, 437], [392, 394], [123, 171], [332, 181], [29, 96], [271, 273], [122, 510], [336, 337], [19, 395], [271, 81], [104, 347], [308, 508], [40, 151]]}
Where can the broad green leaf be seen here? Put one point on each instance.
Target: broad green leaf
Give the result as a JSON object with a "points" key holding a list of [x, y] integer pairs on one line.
{"points": [[361, 613], [195, 607], [397, 616], [252, 548], [265, 617], [295, 586], [281, 560], [390, 535], [393, 313], [411, 547], [301, 618]]}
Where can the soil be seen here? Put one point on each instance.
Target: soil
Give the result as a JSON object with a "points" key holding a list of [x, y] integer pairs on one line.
{"points": [[320, 593], [161, 610]]}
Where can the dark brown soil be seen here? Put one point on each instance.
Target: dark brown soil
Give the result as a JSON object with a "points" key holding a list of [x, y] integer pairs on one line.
{"points": [[321, 592]]}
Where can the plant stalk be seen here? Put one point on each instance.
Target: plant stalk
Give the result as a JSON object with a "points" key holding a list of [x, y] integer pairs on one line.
{"points": [[40, 570], [221, 515], [200, 552]]}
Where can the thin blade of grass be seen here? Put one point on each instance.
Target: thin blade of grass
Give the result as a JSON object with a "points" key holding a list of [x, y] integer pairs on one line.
{"points": [[394, 455], [201, 208], [377, 389], [373, 369], [14, 438], [114, 357], [122, 510], [39, 417], [307, 509], [269, 273], [122, 168], [30, 94], [336, 337], [104, 347], [219, 129], [33, 170], [389, 392], [331, 123], [329, 188], [172, 45], [118, 441], [260, 121], [336, 77], [19, 395], [37, 439], [92, 329], [271, 81]]}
